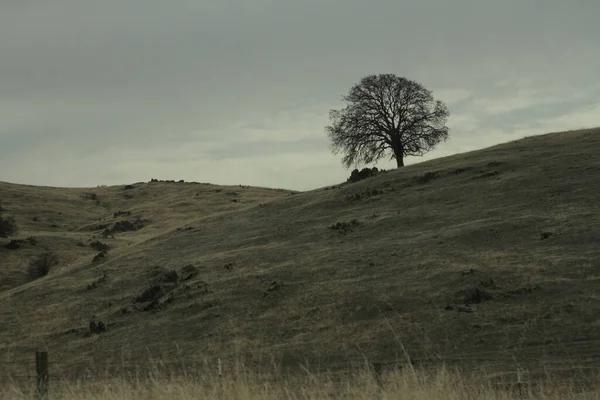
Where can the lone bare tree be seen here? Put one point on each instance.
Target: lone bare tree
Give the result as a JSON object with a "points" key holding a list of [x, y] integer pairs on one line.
{"points": [[386, 114]]}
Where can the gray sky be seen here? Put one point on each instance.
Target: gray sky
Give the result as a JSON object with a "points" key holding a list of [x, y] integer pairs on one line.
{"points": [[238, 92]]}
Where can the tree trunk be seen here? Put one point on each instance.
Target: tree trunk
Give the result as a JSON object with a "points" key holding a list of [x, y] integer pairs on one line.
{"points": [[400, 160], [398, 149]]}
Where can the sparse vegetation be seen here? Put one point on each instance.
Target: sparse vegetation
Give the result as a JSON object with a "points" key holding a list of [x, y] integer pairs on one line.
{"points": [[41, 265]]}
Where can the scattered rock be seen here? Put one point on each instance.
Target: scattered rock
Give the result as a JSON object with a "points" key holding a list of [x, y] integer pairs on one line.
{"points": [[128, 309], [545, 235], [97, 328], [470, 271], [99, 257], [170, 276], [99, 246], [474, 296], [526, 289], [151, 294], [107, 233], [489, 283], [273, 286], [465, 308], [487, 174], [126, 226], [14, 244], [345, 227], [188, 272], [97, 282]]}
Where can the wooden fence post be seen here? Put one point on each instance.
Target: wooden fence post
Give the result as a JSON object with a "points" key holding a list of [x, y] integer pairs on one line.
{"points": [[41, 369]]}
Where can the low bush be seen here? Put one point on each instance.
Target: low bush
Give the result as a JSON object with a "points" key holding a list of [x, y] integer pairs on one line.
{"points": [[365, 173]]}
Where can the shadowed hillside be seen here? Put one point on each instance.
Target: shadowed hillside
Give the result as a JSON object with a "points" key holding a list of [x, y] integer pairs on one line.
{"points": [[489, 256]]}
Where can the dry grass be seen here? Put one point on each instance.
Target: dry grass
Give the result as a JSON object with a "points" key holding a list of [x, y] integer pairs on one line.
{"points": [[358, 384], [518, 221]]}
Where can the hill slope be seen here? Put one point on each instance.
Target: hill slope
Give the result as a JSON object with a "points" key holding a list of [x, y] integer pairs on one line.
{"points": [[491, 256]]}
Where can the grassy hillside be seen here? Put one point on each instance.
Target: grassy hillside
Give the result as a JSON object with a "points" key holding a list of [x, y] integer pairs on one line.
{"points": [[491, 256]]}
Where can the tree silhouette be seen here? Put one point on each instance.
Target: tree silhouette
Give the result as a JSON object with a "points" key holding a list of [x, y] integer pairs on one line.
{"points": [[386, 114]]}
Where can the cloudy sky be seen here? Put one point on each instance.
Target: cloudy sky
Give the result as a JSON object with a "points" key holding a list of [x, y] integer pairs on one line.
{"points": [[238, 91]]}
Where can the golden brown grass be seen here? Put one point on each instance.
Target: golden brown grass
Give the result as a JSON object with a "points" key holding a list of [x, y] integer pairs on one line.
{"points": [[359, 384]]}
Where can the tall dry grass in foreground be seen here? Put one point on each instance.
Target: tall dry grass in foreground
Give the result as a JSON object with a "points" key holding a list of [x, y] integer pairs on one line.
{"points": [[441, 384]]}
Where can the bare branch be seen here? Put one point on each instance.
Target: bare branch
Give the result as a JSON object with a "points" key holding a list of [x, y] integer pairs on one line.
{"points": [[386, 114]]}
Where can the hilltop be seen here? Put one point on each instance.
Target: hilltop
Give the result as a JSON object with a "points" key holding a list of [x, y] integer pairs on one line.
{"points": [[488, 256]]}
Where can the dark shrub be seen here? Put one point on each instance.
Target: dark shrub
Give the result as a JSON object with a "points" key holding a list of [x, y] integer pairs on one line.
{"points": [[8, 227], [125, 226], [41, 264], [365, 173], [345, 227], [98, 245], [99, 257], [128, 187], [89, 196]]}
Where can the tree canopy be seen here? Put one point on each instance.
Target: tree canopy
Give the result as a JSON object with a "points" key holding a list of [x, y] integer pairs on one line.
{"points": [[387, 115]]}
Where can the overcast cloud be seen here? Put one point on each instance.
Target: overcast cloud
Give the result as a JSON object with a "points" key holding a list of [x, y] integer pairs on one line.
{"points": [[238, 92]]}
